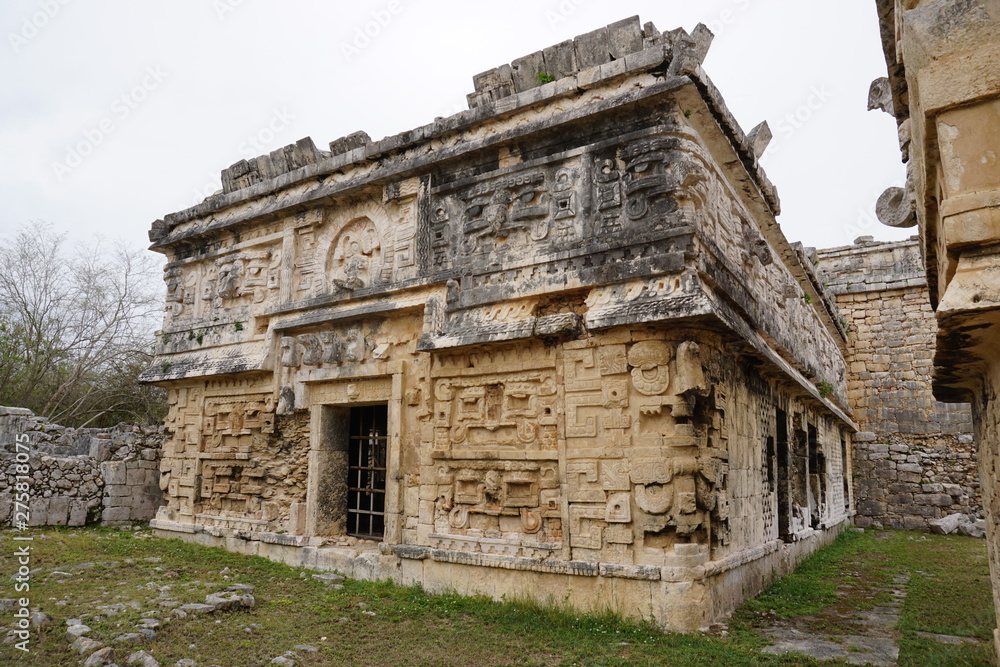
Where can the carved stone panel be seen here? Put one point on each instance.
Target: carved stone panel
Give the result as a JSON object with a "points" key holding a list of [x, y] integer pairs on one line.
{"points": [[355, 256], [498, 500], [237, 279], [504, 402], [214, 431]]}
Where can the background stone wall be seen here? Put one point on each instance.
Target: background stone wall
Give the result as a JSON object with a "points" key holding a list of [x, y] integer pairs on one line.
{"points": [[80, 476], [914, 459]]}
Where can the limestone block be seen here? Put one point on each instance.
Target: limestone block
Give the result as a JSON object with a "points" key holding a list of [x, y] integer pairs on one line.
{"points": [[972, 530], [349, 143], [297, 519], [77, 513], [526, 69], [759, 138], [100, 449], [114, 472], [948, 524], [117, 491], [941, 500], [39, 511], [560, 59], [592, 49], [58, 511], [871, 508], [625, 37], [134, 475], [112, 515]]}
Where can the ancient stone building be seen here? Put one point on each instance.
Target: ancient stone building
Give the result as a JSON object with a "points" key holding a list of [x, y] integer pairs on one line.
{"points": [[555, 345], [943, 58], [914, 457]]}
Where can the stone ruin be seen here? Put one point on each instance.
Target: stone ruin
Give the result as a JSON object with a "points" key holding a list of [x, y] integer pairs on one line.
{"points": [[77, 476], [553, 346], [914, 457], [943, 89]]}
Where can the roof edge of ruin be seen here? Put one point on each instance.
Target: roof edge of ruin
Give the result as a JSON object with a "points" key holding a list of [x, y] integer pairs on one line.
{"points": [[678, 58]]}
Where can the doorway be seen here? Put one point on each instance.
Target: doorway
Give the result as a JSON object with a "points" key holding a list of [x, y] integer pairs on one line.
{"points": [[366, 471]]}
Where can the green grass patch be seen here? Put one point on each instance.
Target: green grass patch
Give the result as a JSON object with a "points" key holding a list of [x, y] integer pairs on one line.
{"points": [[948, 592], [813, 586], [379, 623], [364, 623], [915, 651]]}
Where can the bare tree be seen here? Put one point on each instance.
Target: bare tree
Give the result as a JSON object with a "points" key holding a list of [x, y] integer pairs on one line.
{"points": [[76, 328]]}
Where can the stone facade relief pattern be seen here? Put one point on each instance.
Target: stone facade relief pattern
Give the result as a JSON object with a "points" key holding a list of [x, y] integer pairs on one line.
{"points": [[230, 458]]}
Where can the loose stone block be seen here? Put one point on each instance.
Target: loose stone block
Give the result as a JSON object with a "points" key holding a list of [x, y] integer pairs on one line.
{"points": [[560, 59], [625, 37]]}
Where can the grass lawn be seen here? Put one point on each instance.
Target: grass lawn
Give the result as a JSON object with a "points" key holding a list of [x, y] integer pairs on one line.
{"points": [[368, 623]]}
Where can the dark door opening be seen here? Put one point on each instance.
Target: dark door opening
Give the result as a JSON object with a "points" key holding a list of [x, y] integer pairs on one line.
{"points": [[366, 472], [843, 468], [784, 477], [817, 478]]}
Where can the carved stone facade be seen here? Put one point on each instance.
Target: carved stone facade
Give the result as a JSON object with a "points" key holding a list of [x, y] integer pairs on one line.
{"points": [[943, 59], [553, 346]]}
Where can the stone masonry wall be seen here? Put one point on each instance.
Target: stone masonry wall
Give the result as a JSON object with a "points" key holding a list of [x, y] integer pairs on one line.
{"points": [[77, 476], [915, 456]]}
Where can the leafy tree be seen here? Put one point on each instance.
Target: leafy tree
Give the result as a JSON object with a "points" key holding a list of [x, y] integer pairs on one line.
{"points": [[76, 329]]}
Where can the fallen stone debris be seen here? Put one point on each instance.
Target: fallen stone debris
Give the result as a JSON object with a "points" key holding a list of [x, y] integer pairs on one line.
{"points": [[158, 610]]}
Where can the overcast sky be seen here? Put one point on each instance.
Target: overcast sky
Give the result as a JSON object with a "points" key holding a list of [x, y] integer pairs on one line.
{"points": [[117, 112]]}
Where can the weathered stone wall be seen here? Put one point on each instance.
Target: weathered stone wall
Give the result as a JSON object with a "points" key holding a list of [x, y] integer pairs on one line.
{"points": [[987, 420], [77, 476], [907, 485], [914, 457]]}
